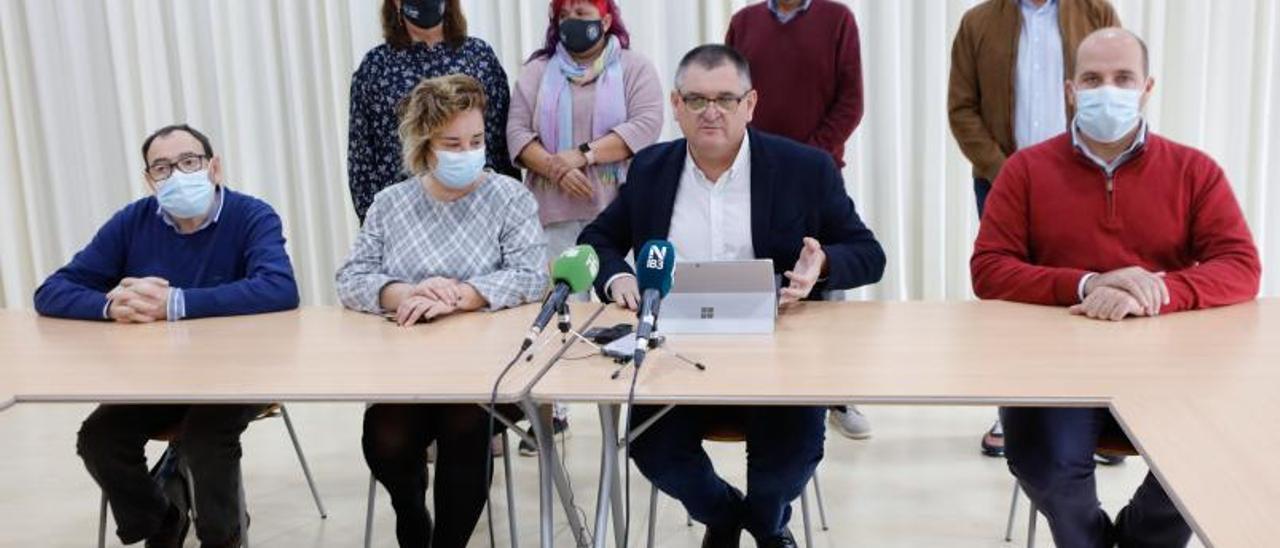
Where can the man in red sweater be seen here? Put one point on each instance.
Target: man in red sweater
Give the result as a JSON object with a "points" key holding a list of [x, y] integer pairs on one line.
{"points": [[1008, 62], [806, 64], [1113, 221]]}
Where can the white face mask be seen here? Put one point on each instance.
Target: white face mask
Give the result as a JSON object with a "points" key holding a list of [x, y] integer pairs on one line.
{"points": [[186, 195], [457, 170], [1108, 113]]}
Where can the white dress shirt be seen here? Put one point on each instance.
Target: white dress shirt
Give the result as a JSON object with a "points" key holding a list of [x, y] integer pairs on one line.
{"points": [[1039, 98], [711, 220]]}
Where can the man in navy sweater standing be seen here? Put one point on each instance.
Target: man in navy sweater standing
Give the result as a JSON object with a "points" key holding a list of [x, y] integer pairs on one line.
{"points": [[193, 249]]}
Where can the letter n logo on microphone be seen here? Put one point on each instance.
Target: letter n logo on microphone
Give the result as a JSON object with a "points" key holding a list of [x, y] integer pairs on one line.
{"points": [[657, 258]]}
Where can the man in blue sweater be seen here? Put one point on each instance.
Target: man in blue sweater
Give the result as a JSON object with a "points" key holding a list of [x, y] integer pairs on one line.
{"points": [[194, 249]]}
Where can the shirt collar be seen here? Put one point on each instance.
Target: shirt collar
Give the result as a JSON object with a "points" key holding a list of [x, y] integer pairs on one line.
{"points": [[740, 162], [1125, 156], [787, 17], [209, 220], [1028, 6]]}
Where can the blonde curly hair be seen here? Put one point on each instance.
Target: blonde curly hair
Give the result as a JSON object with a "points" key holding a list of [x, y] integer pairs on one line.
{"points": [[431, 105]]}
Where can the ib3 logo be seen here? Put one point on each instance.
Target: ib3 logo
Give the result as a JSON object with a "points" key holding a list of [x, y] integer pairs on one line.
{"points": [[657, 258]]}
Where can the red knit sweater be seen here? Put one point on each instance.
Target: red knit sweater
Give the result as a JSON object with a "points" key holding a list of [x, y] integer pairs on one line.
{"points": [[1050, 219], [807, 72]]}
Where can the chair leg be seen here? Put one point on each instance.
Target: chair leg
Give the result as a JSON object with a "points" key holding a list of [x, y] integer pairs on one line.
{"points": [[191, 490], [368, 513], [1031, 526], [1013, 510], [244, 516], [804, 513], [302, 459], [653, 513], [102, 522], [822, 507], [511, 493]]}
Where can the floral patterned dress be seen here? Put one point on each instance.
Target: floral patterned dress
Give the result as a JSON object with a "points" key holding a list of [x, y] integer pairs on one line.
{"points": [[384, 78]]}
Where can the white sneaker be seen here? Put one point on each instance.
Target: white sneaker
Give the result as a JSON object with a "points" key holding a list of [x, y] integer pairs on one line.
{"points": [[559, 431], [849, 422]]}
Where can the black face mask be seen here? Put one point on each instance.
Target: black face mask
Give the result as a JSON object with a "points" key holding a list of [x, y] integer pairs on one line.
{"points": [[580, 35], [423, 14]]}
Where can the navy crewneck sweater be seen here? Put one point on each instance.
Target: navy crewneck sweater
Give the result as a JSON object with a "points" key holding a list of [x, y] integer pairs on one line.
{"points": [[236, 265]]}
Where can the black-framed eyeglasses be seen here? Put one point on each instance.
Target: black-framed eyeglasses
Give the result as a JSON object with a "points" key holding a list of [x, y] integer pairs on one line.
{"points": [[726, 103], [187, 163]]}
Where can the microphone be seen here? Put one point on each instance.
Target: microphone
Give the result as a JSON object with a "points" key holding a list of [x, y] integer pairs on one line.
{"points": [[572, 272], [655, 269]]}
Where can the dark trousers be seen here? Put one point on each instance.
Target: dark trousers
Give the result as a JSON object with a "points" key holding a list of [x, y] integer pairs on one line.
{"points": [[396, 438], [981, 188], [1050, 451], [207, 439], [784, 446]]}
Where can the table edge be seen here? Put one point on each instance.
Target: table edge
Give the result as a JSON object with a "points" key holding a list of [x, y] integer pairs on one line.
{"points": [[1117, 412], [825, 400], [477, 397]]}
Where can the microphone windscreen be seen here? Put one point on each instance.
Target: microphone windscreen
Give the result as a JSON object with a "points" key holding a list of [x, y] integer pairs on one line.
{"points": [[655, 266], [577, 267]]}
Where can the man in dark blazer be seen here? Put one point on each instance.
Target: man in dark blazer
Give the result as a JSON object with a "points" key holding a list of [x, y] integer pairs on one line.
{"points": [[729, 193]]}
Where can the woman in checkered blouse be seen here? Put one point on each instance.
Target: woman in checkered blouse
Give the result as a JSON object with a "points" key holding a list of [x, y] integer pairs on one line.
{"points": [[452, 239]]}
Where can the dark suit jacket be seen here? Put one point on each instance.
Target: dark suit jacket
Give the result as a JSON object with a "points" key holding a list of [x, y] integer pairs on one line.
{"points": [[796, 191]]}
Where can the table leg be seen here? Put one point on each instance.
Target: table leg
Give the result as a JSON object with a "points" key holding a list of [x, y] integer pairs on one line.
{"points": [[541, 433], [605, 492]]}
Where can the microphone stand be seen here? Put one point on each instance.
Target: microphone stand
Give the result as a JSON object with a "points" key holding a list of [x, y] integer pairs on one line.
{"points": [[658, 342], [653, 343], [565, 324]]}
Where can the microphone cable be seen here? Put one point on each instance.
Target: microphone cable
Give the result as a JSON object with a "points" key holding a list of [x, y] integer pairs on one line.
{"points": [[493, 403], [488, 439], [626, 456]]}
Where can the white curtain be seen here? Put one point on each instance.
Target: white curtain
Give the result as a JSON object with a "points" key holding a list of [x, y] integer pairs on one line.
{"points": [[82, 82]]}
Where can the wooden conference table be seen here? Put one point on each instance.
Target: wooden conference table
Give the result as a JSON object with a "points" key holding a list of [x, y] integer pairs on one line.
{"points": [[1195, 391], [312, 354], [1216, 453], [1198, 392]]}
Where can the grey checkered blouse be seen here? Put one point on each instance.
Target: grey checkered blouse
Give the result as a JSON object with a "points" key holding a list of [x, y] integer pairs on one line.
{"points": [[490, 239]]}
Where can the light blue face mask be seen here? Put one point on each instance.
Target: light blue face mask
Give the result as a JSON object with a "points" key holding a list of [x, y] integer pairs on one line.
{"points": [[186, 195], [1108, 113], [457, 170]]}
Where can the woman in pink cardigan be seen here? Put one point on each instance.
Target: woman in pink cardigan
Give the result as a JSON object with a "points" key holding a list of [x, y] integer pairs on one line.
{"points": [[584, 104]]}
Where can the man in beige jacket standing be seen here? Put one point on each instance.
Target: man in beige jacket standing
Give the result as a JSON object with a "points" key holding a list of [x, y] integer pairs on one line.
{"points": [[1009, 66]]}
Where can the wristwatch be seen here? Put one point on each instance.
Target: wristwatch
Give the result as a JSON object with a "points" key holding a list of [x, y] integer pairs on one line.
{"points": [[585, 149]]}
